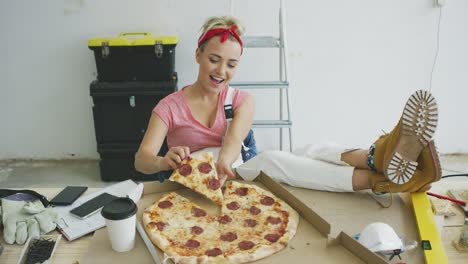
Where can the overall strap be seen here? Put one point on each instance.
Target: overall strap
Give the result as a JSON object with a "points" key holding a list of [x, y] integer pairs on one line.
{"points": [[229, 111]]}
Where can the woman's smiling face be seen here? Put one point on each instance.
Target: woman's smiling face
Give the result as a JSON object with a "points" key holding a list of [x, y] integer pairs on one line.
{"points": [[218, 63]]}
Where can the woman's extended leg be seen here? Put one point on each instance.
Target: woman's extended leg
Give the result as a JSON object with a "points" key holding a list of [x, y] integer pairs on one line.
{"points": [[361, 179], [300, 171], [405, 160], [356, 158]]}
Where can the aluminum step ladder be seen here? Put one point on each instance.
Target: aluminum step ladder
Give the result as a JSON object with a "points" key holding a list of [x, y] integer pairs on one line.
{"points": [[282, 84]]}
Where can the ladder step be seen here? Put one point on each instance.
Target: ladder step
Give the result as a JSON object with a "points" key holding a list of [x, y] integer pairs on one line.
{"points": [[261, 85], [272, 123], [260, 42]]}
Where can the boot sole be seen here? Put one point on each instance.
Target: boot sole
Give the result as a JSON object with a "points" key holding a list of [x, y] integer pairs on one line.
{"points": [[419, 122]]}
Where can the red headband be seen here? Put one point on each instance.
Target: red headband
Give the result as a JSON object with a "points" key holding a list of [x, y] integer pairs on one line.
{"points": [[224, 35]]}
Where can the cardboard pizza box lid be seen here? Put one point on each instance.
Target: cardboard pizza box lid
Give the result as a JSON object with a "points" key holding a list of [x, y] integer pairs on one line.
{"points": [[312, 242]]}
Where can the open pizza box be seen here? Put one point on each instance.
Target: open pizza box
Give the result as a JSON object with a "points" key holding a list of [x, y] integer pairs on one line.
{"points": [[314, 242]]}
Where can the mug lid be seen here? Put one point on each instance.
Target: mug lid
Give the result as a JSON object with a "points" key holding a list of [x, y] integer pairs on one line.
{"points": [[118, 209]]}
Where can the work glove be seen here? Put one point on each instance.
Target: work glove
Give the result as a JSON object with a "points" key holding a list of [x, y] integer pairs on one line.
{"points": [[22, 220]]}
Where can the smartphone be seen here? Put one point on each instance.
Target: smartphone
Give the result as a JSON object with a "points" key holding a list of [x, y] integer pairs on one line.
{"points": [[93, 206], [68, 195]]}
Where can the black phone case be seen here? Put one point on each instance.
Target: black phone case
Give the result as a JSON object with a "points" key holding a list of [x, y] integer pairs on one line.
{"points": [[93, 205], [68, 195]]}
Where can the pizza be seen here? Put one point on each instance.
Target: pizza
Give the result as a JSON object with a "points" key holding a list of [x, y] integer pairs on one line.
{"points": [[199, 174], [253, 224]]}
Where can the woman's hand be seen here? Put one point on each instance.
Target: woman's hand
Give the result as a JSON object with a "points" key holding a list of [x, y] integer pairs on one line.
{"points": [[224, 171], [174, 157]]}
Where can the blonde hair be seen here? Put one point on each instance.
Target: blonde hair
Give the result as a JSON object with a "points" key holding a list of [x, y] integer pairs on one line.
{"points": [[221, 22]]}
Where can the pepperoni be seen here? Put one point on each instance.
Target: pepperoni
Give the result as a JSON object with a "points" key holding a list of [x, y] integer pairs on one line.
{"points": [[267, 200], [196, 230], [192, 243], [205, 167], [213, 184], [164, 204], [185, 170], [254, 210], [273, 220], [233, 205], [272, 237], [242, 191], [213, 252], [160, 225], [229, 237], [197, 212], [250, 222], [224, 219], [245, 245]]}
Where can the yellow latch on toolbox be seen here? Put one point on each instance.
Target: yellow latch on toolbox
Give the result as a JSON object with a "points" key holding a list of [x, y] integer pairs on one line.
{"points": [[133, 39]]}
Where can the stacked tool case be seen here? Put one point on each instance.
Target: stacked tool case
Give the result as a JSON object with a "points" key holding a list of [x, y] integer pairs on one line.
{"points": [[133, 76]]}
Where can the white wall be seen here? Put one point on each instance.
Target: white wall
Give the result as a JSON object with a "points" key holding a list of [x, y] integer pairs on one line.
{"points": [[352, 66]]}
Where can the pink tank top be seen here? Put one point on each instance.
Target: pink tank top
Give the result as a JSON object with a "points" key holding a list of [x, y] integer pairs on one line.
{"points": [[185, 130]]}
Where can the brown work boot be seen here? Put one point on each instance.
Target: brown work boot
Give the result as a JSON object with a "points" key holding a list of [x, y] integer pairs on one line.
{"points": [[427, 172], [396, 153]]}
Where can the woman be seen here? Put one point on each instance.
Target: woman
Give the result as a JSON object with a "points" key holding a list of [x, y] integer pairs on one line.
{"points": [[404, 160], [193, 118]]}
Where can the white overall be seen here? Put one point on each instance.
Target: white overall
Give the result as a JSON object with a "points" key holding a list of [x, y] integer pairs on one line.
{"points": [[318, 168]]}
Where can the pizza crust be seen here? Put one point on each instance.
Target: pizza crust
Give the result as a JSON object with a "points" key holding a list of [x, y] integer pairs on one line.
{"points": [[293, 220], [159, 240], [256, 253]]}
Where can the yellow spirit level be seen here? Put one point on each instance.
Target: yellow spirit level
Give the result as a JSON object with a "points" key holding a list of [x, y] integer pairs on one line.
{"points": [[431, 243]]}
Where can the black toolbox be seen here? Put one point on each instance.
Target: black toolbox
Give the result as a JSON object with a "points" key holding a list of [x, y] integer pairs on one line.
{"points": [[117, 163], [122, 109], [134, 57]]}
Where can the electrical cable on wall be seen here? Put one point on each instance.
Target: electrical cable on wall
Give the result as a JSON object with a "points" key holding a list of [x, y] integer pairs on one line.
{"points": [[454, 175], [437, 48]]}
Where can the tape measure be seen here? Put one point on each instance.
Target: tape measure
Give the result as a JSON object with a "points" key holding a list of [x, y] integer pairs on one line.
{"points": [[431, 242]]}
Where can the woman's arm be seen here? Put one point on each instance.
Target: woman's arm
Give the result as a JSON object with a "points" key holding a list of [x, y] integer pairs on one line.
{"points": [[146, 160], [238, 130]]}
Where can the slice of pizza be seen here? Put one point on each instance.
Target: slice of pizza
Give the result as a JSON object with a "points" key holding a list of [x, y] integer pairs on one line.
{"points": [[199, 174], [183, 230], [265, 222]]}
